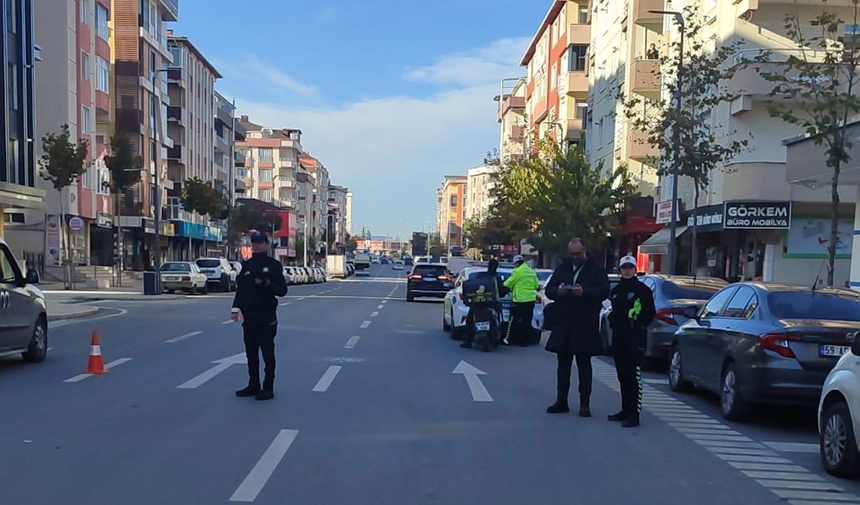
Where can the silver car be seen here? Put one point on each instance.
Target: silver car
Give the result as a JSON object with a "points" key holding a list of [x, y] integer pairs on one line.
{"points": [[23, 311], [184, 276]]}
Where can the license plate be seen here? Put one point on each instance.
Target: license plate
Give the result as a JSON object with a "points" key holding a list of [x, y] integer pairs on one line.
{"points": [[506, 314], [429, 279], [485, 326], [171, 279], [825, 350]]}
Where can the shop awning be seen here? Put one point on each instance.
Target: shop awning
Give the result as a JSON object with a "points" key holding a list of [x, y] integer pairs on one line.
{"points": [[659, 242]]}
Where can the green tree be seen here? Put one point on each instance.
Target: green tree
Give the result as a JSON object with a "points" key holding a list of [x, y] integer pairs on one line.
{"points": [[125, 167], [201, 197], [63, 163], [816, 89], [244, 218], [685, 138]]}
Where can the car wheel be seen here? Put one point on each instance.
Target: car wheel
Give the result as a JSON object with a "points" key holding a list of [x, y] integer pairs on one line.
{"points": [[193, 291], [205, 289], [676, 372], [169, 291], [225, 284], [38, 348], [409, 297], [732, 405], [839, 453]]}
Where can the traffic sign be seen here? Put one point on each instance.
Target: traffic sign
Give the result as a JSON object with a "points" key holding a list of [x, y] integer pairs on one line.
{"points": [[76, 223]]}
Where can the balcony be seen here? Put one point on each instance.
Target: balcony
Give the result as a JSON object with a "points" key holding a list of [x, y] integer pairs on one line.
{"points": [[745, 8], [286, 183], [641, 16], [646, 78], [169, 10], [284, 203], [579, 34], [221, 144], [573, 83], [638, 147], [517, 133], [176, 115], [511, 102], [288, 163], [239, 159], [291, 144], [176, 75], [176, 153], [573, 129]]}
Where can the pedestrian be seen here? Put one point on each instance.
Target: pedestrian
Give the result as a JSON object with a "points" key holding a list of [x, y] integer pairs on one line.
{"points": [[260, 282], [578, 286], [653, 53], [523, 284], [632, 311], [500, 290]]}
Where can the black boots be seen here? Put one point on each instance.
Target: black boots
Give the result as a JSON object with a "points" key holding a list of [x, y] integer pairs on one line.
{"points": [[584, 406], [249, 391], [558, 408], [266, 394], [619, 417], [631, 421], [466, 345]]}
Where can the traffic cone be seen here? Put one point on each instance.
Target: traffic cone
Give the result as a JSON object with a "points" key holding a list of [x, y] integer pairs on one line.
{"points": [[97, 363]]}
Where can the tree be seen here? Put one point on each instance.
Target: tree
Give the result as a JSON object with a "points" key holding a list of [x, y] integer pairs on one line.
{"points": [[351, 243], [201, 197], [244, 218], [125, 168], [685, 138], [63, 163], [815, 89], [558, 195]]}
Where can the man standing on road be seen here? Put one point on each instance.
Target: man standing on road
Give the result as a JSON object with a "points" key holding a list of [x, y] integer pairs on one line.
{"points": [[260, 282], [523, 284], [632, 311], [578, 286]]}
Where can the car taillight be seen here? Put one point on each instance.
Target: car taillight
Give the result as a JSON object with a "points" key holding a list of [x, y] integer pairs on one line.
{"points": [[414, 276], [778, 343], [444, 278], [667, 316]]}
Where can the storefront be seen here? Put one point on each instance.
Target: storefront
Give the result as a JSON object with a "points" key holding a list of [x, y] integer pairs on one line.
{"points": [[192, 241], [102, 240]]}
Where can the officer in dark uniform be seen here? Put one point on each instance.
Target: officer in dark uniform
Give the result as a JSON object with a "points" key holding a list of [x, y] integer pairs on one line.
{"points": [[260, 282], [632, 311]]}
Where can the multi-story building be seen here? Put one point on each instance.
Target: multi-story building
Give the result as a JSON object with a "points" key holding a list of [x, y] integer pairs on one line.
{"points": [[451, 203], [141, 99], [772, 250], [18, 187], [192, 124], [512, 120], [272, 162], [479, 188], [348, 216], [317, 212], [556, 91], [228, 131], [337, 210]]}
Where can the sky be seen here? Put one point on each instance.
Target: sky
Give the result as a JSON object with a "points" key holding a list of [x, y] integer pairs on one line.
{"points": [[390, 95]]}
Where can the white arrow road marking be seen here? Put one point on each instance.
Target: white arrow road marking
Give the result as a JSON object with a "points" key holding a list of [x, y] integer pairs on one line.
{"points": [[265, 467], [183, 337], [221, 365], [108, 366], [327, 378], [350, 344], [365, 324], [476, 387]]}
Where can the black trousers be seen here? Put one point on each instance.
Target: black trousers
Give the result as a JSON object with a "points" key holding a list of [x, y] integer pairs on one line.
{"points": [[583, 366], [260, 336], [628, 366], [520, 326]]}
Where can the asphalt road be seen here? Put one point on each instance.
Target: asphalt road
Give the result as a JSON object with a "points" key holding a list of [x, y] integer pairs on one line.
{"points": [[368, 411]]}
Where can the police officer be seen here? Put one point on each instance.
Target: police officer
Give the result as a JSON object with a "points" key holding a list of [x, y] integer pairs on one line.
{"points": [[260, 281], [632, 312], [500, 290]]}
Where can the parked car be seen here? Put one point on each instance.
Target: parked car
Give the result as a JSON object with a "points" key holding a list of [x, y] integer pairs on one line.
{"points": [[408, 261], [428, 280], [321, 274], [764, 343], [301, 275], [374, 259], [350, 268], [839, 415], [455, 311], [23, 311], [397, 265], [218, 271], [288, 275], [183, 276], [672, 295]]}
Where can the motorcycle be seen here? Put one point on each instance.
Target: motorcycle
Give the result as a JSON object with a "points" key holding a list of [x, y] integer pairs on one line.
{"points": [[485, 325]]}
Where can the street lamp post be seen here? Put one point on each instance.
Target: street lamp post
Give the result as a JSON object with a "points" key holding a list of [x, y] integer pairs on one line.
{"points": [[676, 135]]}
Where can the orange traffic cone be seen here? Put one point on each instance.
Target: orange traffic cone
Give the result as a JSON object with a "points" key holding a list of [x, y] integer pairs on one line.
{"points": [[97, 363]]}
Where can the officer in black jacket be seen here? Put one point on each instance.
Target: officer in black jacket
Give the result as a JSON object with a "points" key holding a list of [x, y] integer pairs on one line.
{"points": [[260, 282], [632, 312]]}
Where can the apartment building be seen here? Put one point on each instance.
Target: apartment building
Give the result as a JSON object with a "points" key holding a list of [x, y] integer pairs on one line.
{"points": [[192, 119], [271, 163], [512, 119], [228, 131], [317, 204], [141, 100], [479, 187], [18, 186], [339, 201], [556, 90], [451, 203], [756, 180]]}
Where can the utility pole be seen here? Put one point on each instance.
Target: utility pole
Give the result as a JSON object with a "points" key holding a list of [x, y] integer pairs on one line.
{"points": [[231, 178]]}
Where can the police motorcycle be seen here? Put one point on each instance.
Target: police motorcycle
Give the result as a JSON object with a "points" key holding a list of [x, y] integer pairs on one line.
{"points": [[484, 320]]}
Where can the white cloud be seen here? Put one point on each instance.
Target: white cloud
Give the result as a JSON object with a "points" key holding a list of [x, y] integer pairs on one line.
{"points": [[492, 62], [266, 75]]}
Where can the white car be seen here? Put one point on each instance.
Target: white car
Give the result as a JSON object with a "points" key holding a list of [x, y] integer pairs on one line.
{"points": [[397, 265], [839, 415], [218, 271], [185, 276], [456, 311]]}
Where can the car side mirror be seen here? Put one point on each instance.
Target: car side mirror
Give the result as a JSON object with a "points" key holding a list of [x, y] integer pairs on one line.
{"points": [[691, 313], [32, 277]]}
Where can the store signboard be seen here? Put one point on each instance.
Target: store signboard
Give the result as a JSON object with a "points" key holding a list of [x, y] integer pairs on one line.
{"points": [[757, 215], [664, 212]]}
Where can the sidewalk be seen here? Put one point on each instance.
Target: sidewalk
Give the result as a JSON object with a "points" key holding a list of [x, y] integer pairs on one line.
{"points": [[66, 296], [61, 311]]}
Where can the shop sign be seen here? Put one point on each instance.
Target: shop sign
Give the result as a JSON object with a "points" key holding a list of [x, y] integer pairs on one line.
{"points": [[148, 226], [758, 215], [104, 220], [52, 240], [664, 212], [167, 229], [76, 223], [710, 218]]}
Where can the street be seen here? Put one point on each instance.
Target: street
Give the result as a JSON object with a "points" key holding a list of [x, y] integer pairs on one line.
{"points": [[374, 405]]}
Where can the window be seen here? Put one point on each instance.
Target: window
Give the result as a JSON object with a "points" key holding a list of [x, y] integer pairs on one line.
{"points": [[103, 77], [581, 111], [12, 15], [102, 22], [7, 271], [464, 216], [453, 200], [716, 304], [265, 155], [822, 304], [650, 283], [85, 66], [86, 120], [177, 56], [12, 85], [743, 304], [266, 195], [153, 69], [583, 14], [85, 12], [576, 57]]}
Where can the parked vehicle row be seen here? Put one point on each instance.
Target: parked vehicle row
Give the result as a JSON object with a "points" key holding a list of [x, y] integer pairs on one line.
{"points": [[304, 275]]}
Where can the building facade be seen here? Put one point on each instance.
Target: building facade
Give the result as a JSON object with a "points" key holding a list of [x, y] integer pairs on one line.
{"points": [[479, 191], [271, 163], [512, 120], [337, 205], [556, 91], [451, 203]]}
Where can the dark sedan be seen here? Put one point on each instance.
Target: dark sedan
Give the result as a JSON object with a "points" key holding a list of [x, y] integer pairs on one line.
{"points": [[428, 280], [764, 343]]}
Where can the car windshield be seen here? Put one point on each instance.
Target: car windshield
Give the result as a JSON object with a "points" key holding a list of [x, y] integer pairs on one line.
{"points": [[430, 270], [543, 276], [809, 305], [208, 263], [176, 267], [691, 290], [503, 273]]}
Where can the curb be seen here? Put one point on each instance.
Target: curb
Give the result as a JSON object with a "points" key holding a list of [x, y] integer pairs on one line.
{"points": [[89, 311]]}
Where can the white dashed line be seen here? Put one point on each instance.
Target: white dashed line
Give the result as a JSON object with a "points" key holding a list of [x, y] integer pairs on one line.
{"points": [[108, 366], [327, 378], [794, 447], [350, 344], [365, 324], [374, 314], [380, 306], [183, 337], [265, 467]]}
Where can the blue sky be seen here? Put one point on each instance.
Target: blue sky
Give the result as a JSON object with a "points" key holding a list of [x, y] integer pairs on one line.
{"points": [[391, 95]]}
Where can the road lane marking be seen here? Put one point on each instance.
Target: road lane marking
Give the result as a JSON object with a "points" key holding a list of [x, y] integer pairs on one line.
{"points": [[66, 322], [326, 379], [183, 337], [285, 304], [374, 314], [220, 366], [782, 475], [795, 484], [476, 387], [765, 467], [350, 344], [108, 366], [229, 321], [380, 307], [794, 447], [384, 302], [365, 324], [265, 467], [812, 495], [752, 459], [743, 452]]}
